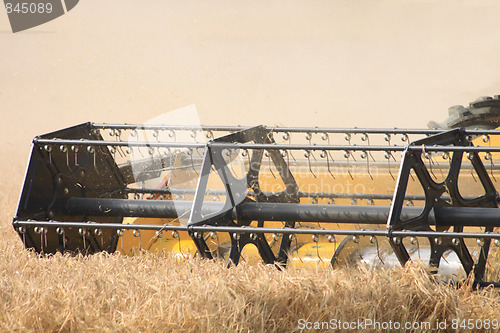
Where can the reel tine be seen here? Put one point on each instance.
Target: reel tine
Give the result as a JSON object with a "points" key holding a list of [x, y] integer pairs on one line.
{"points": [[64, 240], [373, 240], [292, 238], [120, 233], [82, 232], [439, 167], [44, 233], [289, 138], [309, 139], [102, 239], [492, 165], [324, 154], [266, 153], [64, 149], [287, 153], [347, 137], [415, 241], [364, 155], [192, 163], [307, 154], [176, 235], [347, 155], [332, 159], [75, 149], [428, 157], [48, 149], [159, 236], [316, 240], [366, 137], [470, 156], [24, 235], [91, 150], [119, 139], [388, 156], [219, 253], [137, 233], [488, 154], [328, 156], [312, 154]]}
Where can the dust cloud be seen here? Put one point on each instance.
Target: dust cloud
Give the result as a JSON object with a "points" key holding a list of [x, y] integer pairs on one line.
{"points": [[307, 63]]}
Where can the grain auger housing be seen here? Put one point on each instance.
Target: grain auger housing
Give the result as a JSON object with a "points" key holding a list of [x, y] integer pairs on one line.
{"points": [[281, 195]]}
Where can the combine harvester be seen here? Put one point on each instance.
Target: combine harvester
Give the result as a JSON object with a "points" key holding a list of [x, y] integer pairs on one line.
{"points": [[282, 195]]}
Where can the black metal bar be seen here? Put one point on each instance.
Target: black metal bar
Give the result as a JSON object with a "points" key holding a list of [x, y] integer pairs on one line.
{"points": [[233, 145], [286, 231], [84, 142], [280, 129], [394, 148], [126, 207], [103, 126], [254, 211], [318, 213]]}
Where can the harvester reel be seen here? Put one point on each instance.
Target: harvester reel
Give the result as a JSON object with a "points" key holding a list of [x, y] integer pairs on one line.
{"points": [[287, 195]]}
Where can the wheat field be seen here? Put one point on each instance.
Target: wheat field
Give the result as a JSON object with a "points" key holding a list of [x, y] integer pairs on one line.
{"points": [[151, 293]]}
